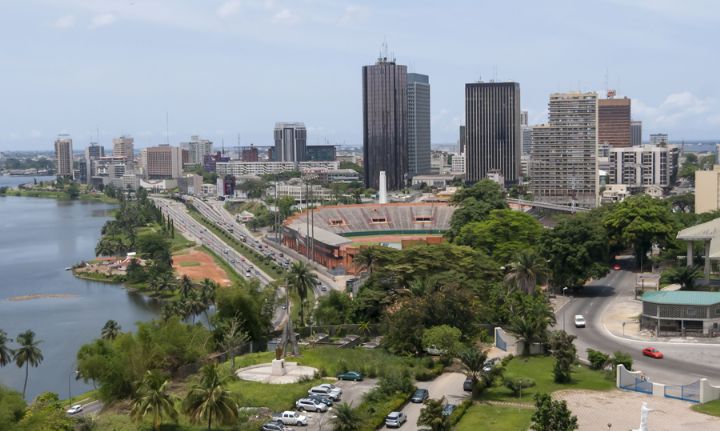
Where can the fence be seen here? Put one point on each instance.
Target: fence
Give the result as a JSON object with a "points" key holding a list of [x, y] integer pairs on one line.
{"points": [[699, 391]]}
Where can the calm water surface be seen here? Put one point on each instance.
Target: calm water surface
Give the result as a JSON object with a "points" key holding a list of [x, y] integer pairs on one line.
{"points": [[39, 238]]}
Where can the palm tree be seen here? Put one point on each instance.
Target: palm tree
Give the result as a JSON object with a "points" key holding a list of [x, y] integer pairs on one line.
{"points": [[6, 353], [152, 399], [111, 330], [301, 280], [367, 258], [209, 400], [27, 354], [685, 276], [432, 415], [526, 271], [186, 286], [473, 361], [346, 418]]}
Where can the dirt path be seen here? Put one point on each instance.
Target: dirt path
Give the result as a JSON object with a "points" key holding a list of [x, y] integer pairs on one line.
{"points": [[198, 266]]}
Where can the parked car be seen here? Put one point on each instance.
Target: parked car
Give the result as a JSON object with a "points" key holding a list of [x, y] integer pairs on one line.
{"points": [[395, 419], [77, 408], [490, 364], [323, 399], [652, 352], [616, 267], [355, 376], [333, 394], [448, 409], [579, 321], [331, 387], [433, 350], [468, 384], [307, 404], [420, 396], [275, 426], [291, 418]]}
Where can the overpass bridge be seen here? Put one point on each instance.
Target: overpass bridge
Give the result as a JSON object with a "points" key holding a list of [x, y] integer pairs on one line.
{"points": [[545, 205]]}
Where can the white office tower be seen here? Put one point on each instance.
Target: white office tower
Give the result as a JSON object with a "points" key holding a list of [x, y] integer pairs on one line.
{"points": [[382, 193]]}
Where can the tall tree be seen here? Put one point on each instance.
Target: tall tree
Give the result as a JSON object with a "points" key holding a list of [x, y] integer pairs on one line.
{"points": [[552, 415], [152, 399], [502, 234], [526, 270], [565, 355], [233, 338], [432, 416], [473, 360], [186, 286], [6, 353], [301, 280], [346, 418], [209, 400], [474, 204], [110, 330], [28, 354]]}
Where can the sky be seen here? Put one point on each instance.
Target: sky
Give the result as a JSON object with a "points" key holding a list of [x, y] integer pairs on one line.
{"points": [[227, 70]]}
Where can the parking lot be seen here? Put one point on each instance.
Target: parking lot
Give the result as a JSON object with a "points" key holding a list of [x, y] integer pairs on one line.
{"points": [[352, 394]]}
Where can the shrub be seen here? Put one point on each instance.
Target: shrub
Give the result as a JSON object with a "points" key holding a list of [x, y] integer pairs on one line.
{"points": [[460, 412], [622, 358], [479, 388], [394, 381], [517, 384], [597, 359]]}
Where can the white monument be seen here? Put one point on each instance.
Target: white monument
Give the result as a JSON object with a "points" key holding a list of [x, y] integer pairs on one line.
{"points": [[382, 193], [278, 367], [644, 413]]}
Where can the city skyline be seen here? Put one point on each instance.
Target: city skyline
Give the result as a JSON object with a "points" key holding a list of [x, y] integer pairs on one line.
{"points": [[122, 66]]}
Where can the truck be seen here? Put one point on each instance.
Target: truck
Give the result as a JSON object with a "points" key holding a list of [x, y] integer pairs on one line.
{"points": [[289, 417]]}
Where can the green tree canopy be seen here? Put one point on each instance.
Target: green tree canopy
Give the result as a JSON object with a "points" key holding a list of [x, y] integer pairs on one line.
{"points": [[442, 337], [474, 203], [552, 415]]}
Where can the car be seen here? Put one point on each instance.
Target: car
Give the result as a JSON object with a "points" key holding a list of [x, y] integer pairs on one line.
{"points": [[275, 426], [310, 405], [490, 364], [248, 273], [290, 418], [355, 376], [323, 399], [468, 384], [420, 396], [395, 419], [434, 351], [579, 321], [77, 408], [616, 267], [652, 352], [333, 394], [323, 288], [331, 387], [448, 409]]}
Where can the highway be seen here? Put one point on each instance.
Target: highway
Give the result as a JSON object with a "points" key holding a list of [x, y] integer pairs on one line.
{"points": [[683, 362]]}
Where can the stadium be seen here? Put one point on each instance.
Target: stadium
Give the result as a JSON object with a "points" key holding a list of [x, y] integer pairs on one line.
{"points": [[340, 231]]}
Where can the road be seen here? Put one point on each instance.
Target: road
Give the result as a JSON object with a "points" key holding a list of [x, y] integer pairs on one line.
{"points": [[683, 362], [449, 385], [352, 394]]}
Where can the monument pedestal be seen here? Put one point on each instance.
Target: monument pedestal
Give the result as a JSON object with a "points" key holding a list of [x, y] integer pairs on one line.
{"points": [[278, 367]]}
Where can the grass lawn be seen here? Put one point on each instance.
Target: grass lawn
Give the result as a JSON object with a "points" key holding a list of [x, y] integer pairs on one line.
{"points": [[188, 264], [485, 417], [710, 408], [540, 369], [177, 243], [276, 397]]}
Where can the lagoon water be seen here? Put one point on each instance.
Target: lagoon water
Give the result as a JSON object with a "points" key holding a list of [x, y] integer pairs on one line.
{"points": [[39, 238]]}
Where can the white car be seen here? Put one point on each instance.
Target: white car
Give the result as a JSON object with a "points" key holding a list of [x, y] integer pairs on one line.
{"points": [[579, 321], [307, 404], [325, 390], [77, 408], [395, 419]]}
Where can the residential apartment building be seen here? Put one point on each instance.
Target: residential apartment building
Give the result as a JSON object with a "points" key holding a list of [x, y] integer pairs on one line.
{"points": [[457, 164], [385, 124], [614, 122], [301, 192], [64, 157], [249, 154], [290, 142], [564, 156], [197, 150], [124, 147], [707, 190], [237, 168], [493, 132], [418, 104], [641, 166], [163, 162]]}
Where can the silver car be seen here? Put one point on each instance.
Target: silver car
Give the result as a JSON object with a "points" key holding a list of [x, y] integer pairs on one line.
{"points": [[395, 419]]}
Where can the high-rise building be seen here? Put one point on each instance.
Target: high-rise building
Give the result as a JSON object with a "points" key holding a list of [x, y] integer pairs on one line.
{"points": [[290, 141], [523, 118], [461, 140], [636, 133], [418, 105], [94, 151], [124, 147], [249, 154], [659, 139], [492, 121], [198, 149], [641, 166], [527, 136], [163, 162], [564, 155], [385, 124], [64, 157], [320, 153], [614, 122]]}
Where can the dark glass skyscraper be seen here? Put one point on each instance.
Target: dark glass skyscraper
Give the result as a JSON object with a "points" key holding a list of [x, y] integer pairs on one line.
{"points": [[418, 94], [385, 123], [290, 141], [492, 128]]}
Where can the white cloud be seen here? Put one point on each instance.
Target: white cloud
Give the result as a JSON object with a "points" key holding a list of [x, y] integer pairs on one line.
{"points": [[102, 20], [35, 134], [285, 16], [677, 108], [229, 8], [65, 22], [353, 13]]}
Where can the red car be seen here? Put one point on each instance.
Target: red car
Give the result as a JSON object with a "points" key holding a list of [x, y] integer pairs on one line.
{"points": [[616, 267], [652, 352]]}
